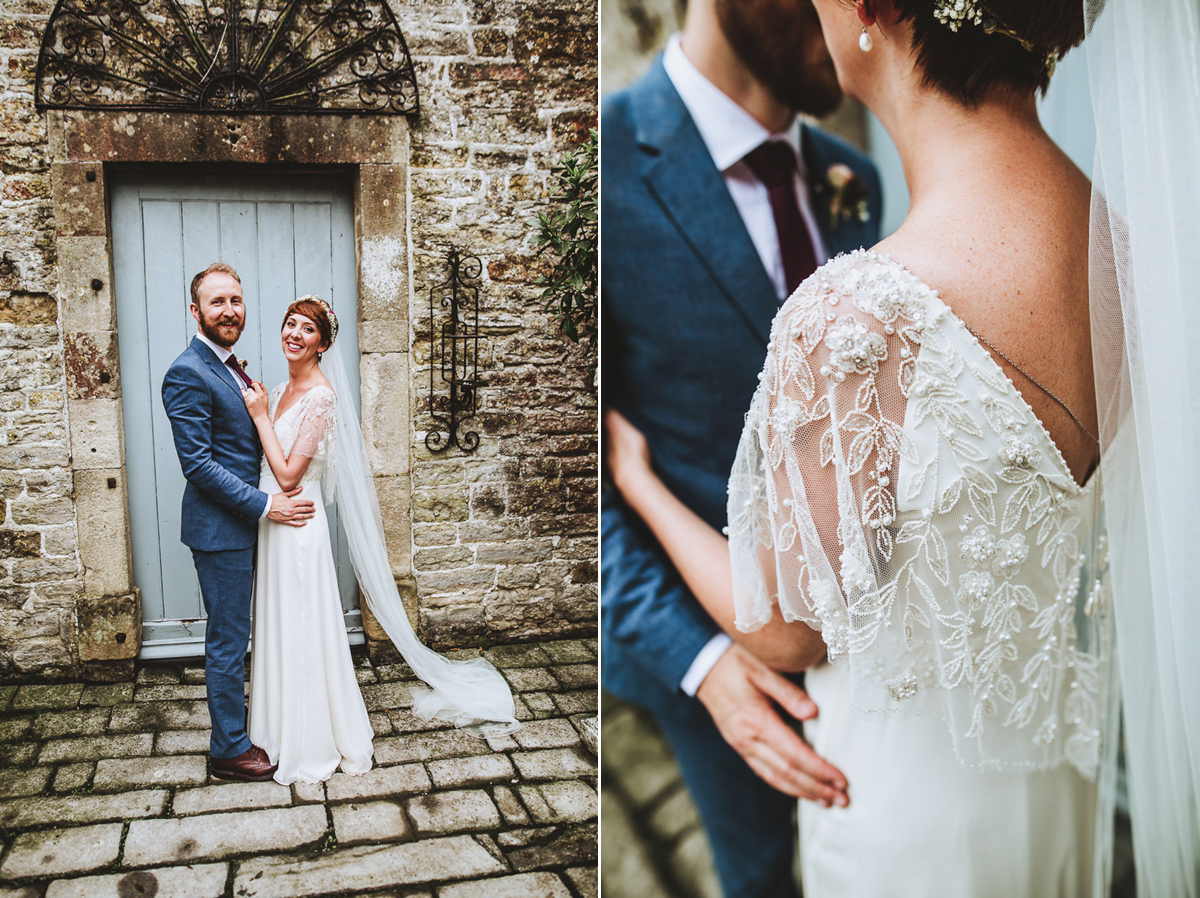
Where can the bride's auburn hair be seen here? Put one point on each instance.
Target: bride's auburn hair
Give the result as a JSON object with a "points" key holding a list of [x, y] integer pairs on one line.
{"points": [[970, 63], [310, 308]]}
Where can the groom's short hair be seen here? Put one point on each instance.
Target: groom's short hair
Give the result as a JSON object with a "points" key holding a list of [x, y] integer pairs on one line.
{"points": [[214, 268]]}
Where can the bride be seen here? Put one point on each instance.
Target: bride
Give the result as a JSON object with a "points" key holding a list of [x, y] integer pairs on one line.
{"points": [[306, 710], [913, 512]]}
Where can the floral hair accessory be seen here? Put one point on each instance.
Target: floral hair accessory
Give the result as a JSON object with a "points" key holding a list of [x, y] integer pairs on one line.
{"points": [[952, 13], [333, 322], [850, 195]]}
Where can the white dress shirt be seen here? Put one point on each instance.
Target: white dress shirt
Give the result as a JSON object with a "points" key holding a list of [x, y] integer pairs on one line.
{"points": [[730, 132], [223, 353]]}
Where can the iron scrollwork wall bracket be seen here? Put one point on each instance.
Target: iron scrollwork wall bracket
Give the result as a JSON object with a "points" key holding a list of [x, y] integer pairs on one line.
{"points": [[245, 56], [454, 355]]}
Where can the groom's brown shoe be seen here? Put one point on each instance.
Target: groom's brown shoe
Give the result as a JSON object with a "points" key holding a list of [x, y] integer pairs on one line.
{"points": [[252, 765]]}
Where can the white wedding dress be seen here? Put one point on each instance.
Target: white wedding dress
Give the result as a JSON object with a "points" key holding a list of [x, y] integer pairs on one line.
{"points": [[894, 491], [306, 710]]}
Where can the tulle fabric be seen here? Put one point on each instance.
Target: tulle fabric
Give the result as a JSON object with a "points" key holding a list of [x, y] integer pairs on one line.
{"points": [[1144, 69], [470, 693]]}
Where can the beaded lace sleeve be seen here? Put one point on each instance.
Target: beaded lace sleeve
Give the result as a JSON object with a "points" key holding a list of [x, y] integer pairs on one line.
{"points": [[894, 491], [316, 427]]}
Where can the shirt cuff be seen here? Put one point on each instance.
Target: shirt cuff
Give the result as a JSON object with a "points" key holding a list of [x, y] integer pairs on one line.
{"points": [[267, 509], [704, 661]]}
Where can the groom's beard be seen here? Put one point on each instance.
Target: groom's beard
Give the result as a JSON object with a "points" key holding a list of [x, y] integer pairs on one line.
{"points": [[219, 330], [781, 43]]}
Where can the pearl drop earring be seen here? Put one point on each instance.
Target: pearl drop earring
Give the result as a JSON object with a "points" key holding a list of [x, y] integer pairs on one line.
{"points": [[864, 41]]}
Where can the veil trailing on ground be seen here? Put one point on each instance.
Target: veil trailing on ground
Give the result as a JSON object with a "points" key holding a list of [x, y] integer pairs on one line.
{"points": [[470, 693], [1144, 68]]}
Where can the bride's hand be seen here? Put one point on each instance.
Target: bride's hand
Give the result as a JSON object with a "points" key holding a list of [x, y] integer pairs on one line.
{"points": [[626, 451], [256, 399]]}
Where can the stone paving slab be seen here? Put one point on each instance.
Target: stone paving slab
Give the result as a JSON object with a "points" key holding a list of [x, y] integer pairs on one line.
{"points": [[523, 885], [222, 835], [62, 851], [71, 723], [198, 881], [40, 698], [565, 802], [457, 811], [362, 869], [14, 728], [371, 821], [27, 812], [106, 694], [96, 747], [552, 763], [470, 771], [547, 734], [426, 746], [442, 812], [378, 781], [16, 781], [230, 797], [119, 775], [182, 742]]}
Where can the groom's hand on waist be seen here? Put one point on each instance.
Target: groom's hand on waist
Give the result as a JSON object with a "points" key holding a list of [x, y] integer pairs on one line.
{"points": [[286, 510], [744, 696]]}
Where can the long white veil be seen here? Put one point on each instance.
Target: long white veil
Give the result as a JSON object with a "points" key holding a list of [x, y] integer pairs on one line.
{"points": [[471, 693], [1144, 68]]}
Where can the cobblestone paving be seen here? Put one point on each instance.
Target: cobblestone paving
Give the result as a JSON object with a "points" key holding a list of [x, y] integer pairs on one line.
{"points": [[653, 844], [105, 791]]}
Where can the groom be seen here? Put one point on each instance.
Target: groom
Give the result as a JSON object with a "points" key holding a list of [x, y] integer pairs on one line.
{"points": [[716, 202], [219, 451]]}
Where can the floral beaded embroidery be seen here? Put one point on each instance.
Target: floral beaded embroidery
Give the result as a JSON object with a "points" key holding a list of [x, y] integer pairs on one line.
{"points": [[990, 614]]}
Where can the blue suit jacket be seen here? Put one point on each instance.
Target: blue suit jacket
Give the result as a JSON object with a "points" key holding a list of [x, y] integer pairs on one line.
{"points": [[686, 312], [218, 450]]}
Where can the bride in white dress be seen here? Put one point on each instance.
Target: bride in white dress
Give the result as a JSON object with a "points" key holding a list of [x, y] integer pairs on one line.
{"points": [[913, 512], [306, 710]]}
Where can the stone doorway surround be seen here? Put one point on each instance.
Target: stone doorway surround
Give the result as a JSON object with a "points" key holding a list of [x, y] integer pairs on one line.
{"points": [[81, 145]]}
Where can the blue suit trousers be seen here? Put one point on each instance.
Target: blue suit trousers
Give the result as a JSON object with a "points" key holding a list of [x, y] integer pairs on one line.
{"points": [[226, 584], [749, 825]]}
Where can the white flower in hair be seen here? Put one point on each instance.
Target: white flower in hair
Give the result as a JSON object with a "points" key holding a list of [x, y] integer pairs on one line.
{"points": [[952, 13]]}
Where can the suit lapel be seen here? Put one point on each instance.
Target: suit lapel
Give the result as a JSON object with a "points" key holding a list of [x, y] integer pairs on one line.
{"points": [[221, 371], [681, 176]]}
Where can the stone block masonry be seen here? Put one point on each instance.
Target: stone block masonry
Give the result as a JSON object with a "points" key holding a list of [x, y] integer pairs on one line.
{"points": [[505, 538], [40, 572]]}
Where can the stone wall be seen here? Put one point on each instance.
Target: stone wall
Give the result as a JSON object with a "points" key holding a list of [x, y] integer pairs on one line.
{"points": [[505, 537], [40, 573], [503, 540]]}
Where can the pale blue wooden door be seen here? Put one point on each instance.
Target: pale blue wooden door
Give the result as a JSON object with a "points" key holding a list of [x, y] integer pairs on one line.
{"points": [[286, 236]]}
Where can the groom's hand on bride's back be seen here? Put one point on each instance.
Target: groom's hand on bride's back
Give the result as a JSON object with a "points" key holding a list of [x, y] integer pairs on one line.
{"points": [[743, 696], [286, 510]]}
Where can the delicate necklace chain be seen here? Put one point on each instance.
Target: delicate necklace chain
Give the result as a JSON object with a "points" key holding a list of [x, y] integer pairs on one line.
{"points": [[1095, 439]]}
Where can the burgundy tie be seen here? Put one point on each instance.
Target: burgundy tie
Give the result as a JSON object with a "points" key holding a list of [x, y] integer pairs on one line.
{"points": [[239, 371], [774, 163]]}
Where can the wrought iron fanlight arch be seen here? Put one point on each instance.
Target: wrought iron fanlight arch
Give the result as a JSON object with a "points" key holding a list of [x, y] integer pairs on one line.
{"points": [[227, 56]]}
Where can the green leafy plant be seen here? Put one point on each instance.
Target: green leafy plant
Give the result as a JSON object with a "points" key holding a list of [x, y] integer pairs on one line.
{"points": [[570, 233]]}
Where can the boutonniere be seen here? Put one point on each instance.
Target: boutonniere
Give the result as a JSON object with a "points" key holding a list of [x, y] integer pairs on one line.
{"points": [[245, 363], [849, 195]]}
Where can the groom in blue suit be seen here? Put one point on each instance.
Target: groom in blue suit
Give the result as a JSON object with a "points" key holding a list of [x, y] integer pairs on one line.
{"points": [[701, 244], [219, 451]]}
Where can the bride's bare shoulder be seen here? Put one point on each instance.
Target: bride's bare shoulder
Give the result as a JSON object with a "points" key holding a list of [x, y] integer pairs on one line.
{"points": [[1023, 243]]}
